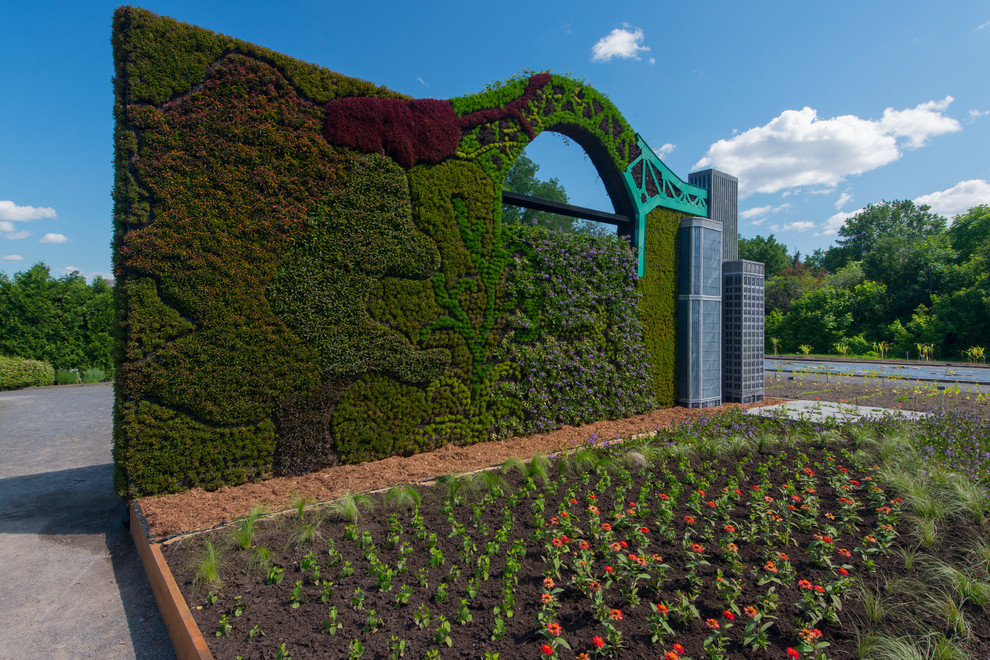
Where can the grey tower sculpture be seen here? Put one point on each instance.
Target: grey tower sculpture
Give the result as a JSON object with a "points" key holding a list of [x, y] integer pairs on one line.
{"points": [[741, 296]]}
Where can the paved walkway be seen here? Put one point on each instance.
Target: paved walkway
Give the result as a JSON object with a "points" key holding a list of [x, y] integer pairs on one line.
{"points": [[818, 411], [71, 583]]}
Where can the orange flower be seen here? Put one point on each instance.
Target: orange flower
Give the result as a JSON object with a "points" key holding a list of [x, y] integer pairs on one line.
{"points": [[751, 611], [554, 629], [615, 615], [712, 624], [546, 598]]}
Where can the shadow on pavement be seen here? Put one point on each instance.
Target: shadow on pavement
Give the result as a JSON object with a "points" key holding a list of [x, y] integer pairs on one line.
{"points": [[75, 513]]}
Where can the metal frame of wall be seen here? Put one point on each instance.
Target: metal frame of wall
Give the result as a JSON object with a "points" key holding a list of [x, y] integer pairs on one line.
{"points": [[699, 313]]}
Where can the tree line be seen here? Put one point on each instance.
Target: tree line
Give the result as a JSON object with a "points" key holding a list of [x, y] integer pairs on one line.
{"points": [[63, 321], [900, 280]]}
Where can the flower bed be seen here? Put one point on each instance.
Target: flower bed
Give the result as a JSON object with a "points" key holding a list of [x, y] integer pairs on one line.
{"points": [[754, 539]]}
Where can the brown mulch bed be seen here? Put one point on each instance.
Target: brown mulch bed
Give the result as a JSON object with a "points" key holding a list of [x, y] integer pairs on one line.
{"points": [[198, 509]]}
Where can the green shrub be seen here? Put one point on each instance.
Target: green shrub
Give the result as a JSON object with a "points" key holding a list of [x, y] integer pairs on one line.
{"points": [[93, 375], [67, 377], [19, 372]]}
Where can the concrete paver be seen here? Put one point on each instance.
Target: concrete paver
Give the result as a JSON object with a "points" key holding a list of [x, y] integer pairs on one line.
{"points": [[819, 411], [71, 583]]}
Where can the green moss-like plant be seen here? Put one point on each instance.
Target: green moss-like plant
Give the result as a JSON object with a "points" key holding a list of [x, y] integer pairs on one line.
{"points": [[287, 302], [658, 304]]}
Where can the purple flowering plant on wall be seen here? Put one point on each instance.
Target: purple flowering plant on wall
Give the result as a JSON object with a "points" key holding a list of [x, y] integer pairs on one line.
{"points": [[576, 337]]}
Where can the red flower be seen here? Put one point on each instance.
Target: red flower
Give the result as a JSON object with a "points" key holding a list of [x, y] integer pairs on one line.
{"points": [[729, 528], [557, 542], [670, 655], [645, 530], [663, 496], [546, 649], [701, 492], [565, 539], [572, 500], [711, 504], [689, 520], [843, 571], [819, 589], [609, 569], [623, 544], [598, 642], [662, 609], [615, 615], [697, 547], [678, 648], [606, 527], [791, 653], [728, 615], [712, 624], [804, 584], [584, 545], [554, 629], [592, 497]]}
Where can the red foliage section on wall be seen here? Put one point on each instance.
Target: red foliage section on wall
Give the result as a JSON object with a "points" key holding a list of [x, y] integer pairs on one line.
{"points": [[513, 109], [409, 132]]}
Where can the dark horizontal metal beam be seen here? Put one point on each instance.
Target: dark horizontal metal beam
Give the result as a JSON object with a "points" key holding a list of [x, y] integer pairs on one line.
{"points": [[571, 211]]}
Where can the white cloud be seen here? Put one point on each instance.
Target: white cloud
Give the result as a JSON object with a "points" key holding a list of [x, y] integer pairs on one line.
{"points": [[958, 199], [11, 211], [17, 235], [11, 257], [665, 150], [976, 114], [762, 210], [6, 225], [976, 29], [53, 238], [653, 61], [798, 149], [620, 42], [422, 82], [920, 123], [843, 199], [757, 223], [800, 225], [835, 221], [68, 270]]}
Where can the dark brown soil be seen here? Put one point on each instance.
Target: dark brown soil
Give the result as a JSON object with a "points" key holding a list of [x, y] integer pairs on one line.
{"points": [[302, 628]]}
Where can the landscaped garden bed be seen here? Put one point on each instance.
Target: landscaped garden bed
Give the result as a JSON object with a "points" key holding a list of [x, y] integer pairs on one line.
{"points": [[726, 535]]}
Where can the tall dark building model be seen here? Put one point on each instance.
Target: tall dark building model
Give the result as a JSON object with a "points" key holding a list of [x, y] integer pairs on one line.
{"points": [[741, 295], [742, 331], [699, 305]]}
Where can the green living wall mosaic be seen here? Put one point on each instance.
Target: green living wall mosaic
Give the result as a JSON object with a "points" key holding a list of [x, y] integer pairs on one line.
{"points": [[311, 269]]}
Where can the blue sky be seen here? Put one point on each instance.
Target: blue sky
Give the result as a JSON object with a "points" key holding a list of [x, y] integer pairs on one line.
{"points": [[819, 108]]}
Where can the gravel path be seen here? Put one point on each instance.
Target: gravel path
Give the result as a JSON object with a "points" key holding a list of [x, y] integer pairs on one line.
{"points": [[71, 583]]}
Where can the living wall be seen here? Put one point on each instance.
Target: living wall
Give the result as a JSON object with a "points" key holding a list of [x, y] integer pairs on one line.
{"points": [[311, 269]]}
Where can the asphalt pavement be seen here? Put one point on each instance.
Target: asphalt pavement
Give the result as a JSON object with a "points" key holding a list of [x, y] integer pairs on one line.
{"points": [[71, 582]]}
